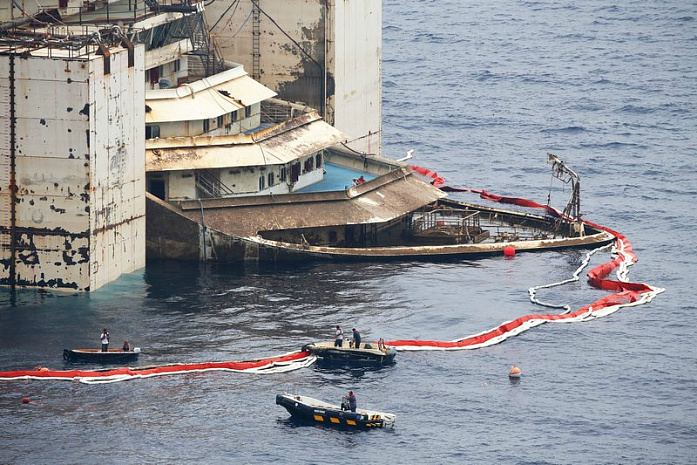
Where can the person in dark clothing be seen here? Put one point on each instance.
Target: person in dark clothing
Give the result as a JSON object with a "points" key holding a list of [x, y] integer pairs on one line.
{"points": [[105, 340], [352, 401], [356, 339]]}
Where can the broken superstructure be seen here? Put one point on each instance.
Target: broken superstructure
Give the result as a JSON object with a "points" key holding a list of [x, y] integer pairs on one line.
{"points": [[125, 134]]}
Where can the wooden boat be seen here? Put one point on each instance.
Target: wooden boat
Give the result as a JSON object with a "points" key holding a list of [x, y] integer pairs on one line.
{"points": [[367, 354], [317, 411], [97, 356]]}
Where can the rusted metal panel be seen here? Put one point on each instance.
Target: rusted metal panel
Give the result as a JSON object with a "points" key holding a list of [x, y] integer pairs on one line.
{"points": [[51, 194], [117, 219], [78, 164]]}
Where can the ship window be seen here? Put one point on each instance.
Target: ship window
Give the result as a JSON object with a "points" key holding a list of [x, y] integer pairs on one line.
{"points": [[233, 116], [220, 121], [283, 174], [247, 112], [206, 125], [308, 166], [318, 160], [295, 172], [262, 183], [152, 132], [157, 187], [271, 179], [177, 65]]}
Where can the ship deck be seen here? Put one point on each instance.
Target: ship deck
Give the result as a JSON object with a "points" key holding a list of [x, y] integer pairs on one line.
{"points": [[336, 178]]}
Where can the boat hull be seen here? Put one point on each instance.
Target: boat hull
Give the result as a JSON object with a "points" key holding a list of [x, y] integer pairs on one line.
{"points": [[97, 356], [315, 411]]}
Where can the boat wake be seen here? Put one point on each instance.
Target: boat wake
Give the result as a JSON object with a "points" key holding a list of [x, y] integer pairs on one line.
{"points": [[626, 294]]}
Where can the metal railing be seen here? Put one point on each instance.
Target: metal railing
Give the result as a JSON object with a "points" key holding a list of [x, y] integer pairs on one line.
{"points": [[210, 186]]}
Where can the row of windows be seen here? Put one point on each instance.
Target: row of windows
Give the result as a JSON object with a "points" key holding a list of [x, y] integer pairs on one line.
{"points": [[271, 177], [227, 119], [153, 131]]}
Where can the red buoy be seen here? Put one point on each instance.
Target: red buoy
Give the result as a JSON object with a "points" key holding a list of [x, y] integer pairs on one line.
{"points": [[25, 400], [509, 251]]}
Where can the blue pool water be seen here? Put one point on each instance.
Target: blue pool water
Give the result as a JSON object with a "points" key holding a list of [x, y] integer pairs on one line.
{"points": [[336, 178]]}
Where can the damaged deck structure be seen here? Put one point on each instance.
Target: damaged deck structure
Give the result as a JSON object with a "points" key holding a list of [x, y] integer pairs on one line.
{"points": [[389, 217]]}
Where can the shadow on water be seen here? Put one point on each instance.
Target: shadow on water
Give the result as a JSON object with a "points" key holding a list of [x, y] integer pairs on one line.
{"points": [[354, 370]]}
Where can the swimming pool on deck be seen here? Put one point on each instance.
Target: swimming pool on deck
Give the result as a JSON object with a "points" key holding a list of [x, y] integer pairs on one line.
{"points": [[336, 178]]}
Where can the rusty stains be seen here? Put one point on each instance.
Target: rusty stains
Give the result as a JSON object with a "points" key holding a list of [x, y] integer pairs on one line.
{"points": [[28, 257], [76, 257], [86, 110]]}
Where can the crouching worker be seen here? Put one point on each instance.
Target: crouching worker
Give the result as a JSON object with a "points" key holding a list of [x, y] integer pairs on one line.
{"points": [[127, 346]]}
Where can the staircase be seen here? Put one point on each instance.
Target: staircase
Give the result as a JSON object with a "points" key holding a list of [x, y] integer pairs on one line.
{"points": [[209, 186]]}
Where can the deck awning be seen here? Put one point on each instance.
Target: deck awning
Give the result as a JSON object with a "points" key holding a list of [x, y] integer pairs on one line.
{"points": [[380, 200], [277, 145], [207, 98]]}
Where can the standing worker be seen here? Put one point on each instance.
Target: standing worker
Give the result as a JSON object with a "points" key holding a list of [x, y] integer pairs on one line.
{"points": [[105, 340], [339, 337], [352, 401], [356, 339]]}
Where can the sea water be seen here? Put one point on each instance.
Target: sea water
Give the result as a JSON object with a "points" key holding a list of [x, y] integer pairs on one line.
{"points": [[481, 91]]}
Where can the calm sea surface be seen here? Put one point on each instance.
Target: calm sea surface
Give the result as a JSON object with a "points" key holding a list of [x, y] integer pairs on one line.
{"points": [[481, 91]]}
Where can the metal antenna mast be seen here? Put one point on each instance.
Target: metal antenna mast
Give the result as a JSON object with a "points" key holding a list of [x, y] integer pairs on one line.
{"points": [[572, 211]]}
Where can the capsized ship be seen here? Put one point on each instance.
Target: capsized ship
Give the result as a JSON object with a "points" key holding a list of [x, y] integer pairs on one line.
{"points": [[395, 215]]}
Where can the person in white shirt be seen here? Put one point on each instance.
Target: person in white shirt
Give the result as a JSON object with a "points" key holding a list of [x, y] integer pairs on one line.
{"points": [[339, 337]]}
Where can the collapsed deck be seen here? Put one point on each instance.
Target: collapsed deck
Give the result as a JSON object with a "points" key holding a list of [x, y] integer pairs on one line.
{"points": [[396, 215]]}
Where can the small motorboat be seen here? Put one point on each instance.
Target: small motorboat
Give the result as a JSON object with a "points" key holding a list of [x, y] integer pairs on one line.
{"points": [[97, 356], [317, 411], [367, 354]]}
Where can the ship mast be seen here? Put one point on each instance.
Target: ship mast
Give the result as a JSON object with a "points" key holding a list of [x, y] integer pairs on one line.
{"points": [[572, 211]]}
